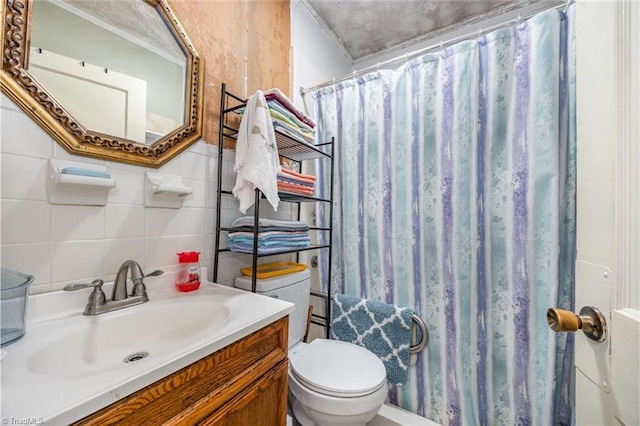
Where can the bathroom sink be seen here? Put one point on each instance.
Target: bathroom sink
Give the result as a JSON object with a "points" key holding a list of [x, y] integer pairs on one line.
{"points": [[69, 365], [129, 336]]}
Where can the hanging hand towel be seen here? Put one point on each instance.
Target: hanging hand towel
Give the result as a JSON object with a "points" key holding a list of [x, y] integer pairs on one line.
{"points": [[382, 328], [257, 162]]}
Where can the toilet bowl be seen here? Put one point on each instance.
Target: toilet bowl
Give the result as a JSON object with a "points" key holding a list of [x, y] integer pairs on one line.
{"points": [[335, 383], [330, 382]]}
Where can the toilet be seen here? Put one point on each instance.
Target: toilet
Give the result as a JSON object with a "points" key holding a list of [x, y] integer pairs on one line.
{"points": [[330, 382]]}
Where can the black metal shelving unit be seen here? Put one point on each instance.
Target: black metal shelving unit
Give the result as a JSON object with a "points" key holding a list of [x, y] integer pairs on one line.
{"points": [[297, 152]]}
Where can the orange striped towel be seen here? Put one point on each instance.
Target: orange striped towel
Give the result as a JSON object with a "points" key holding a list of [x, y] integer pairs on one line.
{"points": [[299, 176], [299, 189]]}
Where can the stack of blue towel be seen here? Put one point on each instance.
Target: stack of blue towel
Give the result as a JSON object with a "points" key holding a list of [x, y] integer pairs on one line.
{"points": [[273, 235]]}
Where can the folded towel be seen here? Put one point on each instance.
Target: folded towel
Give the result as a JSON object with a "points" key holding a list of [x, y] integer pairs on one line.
{"points": [[244, 248], [294, 181], [263, 229], [280, 115], [273, 235], [289, 121], [287, 131], [277, 94], [268, 234], [271, 240], [248, 221], [382, 328], [296, 189], [277, 106], [257, 162], [78, 171], [296, 175]]}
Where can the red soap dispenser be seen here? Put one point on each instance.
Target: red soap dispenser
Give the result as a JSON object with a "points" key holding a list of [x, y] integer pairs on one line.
{"points": [[188, 276]]}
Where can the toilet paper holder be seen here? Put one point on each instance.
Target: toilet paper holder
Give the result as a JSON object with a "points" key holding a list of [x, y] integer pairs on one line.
{"points": [[590, 320]]}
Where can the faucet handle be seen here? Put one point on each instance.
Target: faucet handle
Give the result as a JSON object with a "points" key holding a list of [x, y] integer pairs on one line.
{"points": [[155, 273], [139, 289], [96, 298], [96, 284]]}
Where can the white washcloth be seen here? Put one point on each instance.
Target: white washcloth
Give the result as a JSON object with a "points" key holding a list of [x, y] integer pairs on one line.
{"points": [[257, 162]]}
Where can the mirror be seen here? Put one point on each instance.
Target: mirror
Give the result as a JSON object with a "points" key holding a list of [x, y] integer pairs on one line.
{"points": [[113, 80]]}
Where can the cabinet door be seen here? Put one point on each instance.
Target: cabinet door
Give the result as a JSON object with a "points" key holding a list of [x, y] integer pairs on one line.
{"points": [[256, 405], [249, 374]]}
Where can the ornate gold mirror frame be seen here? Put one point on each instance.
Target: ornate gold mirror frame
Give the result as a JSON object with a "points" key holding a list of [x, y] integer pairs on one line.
{"points": [[24, 89]]}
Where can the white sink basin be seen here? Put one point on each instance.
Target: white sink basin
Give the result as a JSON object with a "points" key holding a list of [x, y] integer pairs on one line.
{"points": [[114, 340], [69, 365]]}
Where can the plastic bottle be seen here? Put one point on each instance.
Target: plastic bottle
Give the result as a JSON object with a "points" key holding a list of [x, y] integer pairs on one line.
{"points": [[188, 276]]}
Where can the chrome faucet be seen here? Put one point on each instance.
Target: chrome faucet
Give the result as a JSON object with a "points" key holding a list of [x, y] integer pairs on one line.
{"points": [[98, 303], [120, 283]]}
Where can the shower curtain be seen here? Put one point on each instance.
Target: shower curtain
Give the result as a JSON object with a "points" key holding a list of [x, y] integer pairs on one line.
{"points": [[455, 189]]}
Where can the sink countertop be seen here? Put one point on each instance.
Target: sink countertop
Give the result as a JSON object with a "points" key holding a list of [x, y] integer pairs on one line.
{"points": [[59, 400]]}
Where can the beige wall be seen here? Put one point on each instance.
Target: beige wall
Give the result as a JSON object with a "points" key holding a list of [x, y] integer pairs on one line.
{"points": [[245, 44]]}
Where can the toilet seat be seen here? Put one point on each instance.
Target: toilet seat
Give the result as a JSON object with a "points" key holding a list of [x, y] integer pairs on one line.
{"points": [[335, 368]]}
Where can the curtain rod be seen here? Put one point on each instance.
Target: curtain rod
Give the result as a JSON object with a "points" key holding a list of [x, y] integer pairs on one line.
{"points": [[470, 35]]}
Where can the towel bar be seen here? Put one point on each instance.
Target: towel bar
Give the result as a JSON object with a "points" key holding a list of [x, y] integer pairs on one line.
{"points": [[419, 347]]}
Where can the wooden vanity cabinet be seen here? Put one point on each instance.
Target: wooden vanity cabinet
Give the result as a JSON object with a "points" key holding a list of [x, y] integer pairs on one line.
{"points": [[242, 384]]}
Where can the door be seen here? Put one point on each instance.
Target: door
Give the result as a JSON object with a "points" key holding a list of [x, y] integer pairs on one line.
{"points": [[608, 197], [123, 99]]}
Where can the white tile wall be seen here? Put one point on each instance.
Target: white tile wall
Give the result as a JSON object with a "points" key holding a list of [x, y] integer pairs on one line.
{"points": [[199, 196], [77, 223], [161, 222], [34, 258], [129, 186], [25, 221], [161, 251], [61, 244], [30, 187], [76, 260], [115, 250], [124, 221], [20, 135], [192, 243], [191, 221], [194, 166]]}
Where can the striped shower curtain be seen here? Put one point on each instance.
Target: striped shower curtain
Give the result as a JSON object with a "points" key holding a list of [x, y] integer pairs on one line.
{"points": [[455, 189]]}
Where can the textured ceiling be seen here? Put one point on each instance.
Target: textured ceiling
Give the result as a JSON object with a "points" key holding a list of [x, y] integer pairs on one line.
{"points": [[133, 19], [366, 28]]}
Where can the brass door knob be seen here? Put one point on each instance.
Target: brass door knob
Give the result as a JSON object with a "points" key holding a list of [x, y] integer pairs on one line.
{"points": [[590, 321]]}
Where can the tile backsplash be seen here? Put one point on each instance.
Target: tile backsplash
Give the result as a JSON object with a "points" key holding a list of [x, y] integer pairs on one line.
{"points": [[59, 244]]}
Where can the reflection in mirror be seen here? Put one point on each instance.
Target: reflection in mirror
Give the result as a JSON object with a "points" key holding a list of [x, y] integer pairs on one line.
{"points": [[115, 80], [119, 71]]}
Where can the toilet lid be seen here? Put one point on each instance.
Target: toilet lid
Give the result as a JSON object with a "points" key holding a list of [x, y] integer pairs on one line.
{"points": [[338, 368]]}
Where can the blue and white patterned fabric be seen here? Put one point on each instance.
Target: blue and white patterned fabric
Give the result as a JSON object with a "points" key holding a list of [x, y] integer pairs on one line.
{"points": [[382, 328], [455, 195]]}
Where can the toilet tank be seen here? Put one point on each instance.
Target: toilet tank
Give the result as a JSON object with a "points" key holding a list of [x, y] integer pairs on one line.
{"points": [[294, 288]]}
